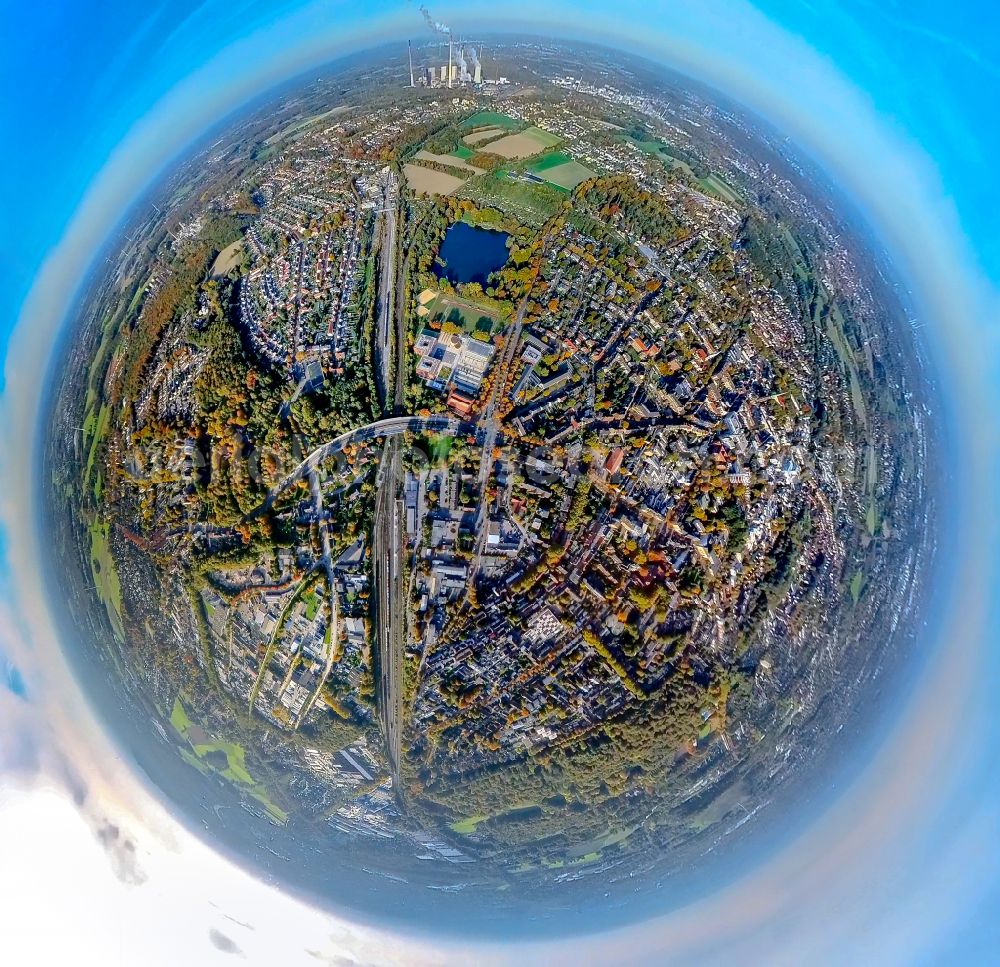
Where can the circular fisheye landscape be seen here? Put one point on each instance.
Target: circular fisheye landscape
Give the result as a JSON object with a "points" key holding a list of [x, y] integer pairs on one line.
{"points": [[488, 481]]}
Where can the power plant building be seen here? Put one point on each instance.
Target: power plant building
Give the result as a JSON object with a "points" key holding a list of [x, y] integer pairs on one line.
{"points": [[462, 67]]}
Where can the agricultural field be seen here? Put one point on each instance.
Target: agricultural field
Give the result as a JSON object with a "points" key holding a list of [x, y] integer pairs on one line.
{"points": [[714, 185], [560, 170], [524, 144], [492, 119], [449, 160], [227, 259], [427, 181], [477, 137]]}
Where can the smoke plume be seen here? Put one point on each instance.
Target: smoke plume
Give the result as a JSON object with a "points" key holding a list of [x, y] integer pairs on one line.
{"points": [[435, 25]]}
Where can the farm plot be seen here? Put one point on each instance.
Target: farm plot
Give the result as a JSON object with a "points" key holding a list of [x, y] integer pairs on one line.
{"points": [[427, 181], [523, 144], [227, 259], [477, 137], [492, 118], [450, 160], [560, 170]]}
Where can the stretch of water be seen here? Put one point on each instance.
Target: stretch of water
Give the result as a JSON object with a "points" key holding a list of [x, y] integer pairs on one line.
{"points": [[471, 254]]}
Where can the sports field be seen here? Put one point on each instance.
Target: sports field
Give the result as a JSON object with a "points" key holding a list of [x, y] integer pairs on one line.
{"points": [[471, 319]]}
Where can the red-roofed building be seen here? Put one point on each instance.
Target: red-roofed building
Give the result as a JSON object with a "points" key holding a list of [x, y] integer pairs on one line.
{"points": [[460, 403]]}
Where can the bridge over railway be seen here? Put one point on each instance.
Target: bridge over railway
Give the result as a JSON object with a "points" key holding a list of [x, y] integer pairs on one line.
{"points": [[390, 427]]}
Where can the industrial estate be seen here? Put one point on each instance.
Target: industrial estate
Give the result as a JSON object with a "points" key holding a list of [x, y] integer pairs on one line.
{"points": [[498, 465]]}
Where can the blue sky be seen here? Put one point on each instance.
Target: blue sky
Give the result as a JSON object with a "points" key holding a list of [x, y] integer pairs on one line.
{"points": [[898, 99], [79, 74]]}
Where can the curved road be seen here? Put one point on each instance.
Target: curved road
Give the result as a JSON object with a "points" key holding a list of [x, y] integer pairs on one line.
{"points": [[391, 426]]}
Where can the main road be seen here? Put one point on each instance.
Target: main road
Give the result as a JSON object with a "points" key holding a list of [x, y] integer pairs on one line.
{"points": [[489, 429]]}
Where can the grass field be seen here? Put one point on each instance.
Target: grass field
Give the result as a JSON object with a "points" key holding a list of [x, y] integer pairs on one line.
{"points": [[312, 605], [305, 122], [467, 826], [491, 118], [437, 447], [463, 153], [208, 755], [137, 297], [658, 149], [427, 181], [566, 176], [857, 585], [546, 161], [872, 518], [523, 144], [106, 581], [714, 185], [94, 427], [835, 330]]}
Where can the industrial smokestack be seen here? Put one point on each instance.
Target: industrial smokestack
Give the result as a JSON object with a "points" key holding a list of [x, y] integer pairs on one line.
{"points": [[409, 54], [449, 61]]}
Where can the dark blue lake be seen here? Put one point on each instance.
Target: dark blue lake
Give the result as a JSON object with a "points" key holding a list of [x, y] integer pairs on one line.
{"points": [[470, 254]]}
